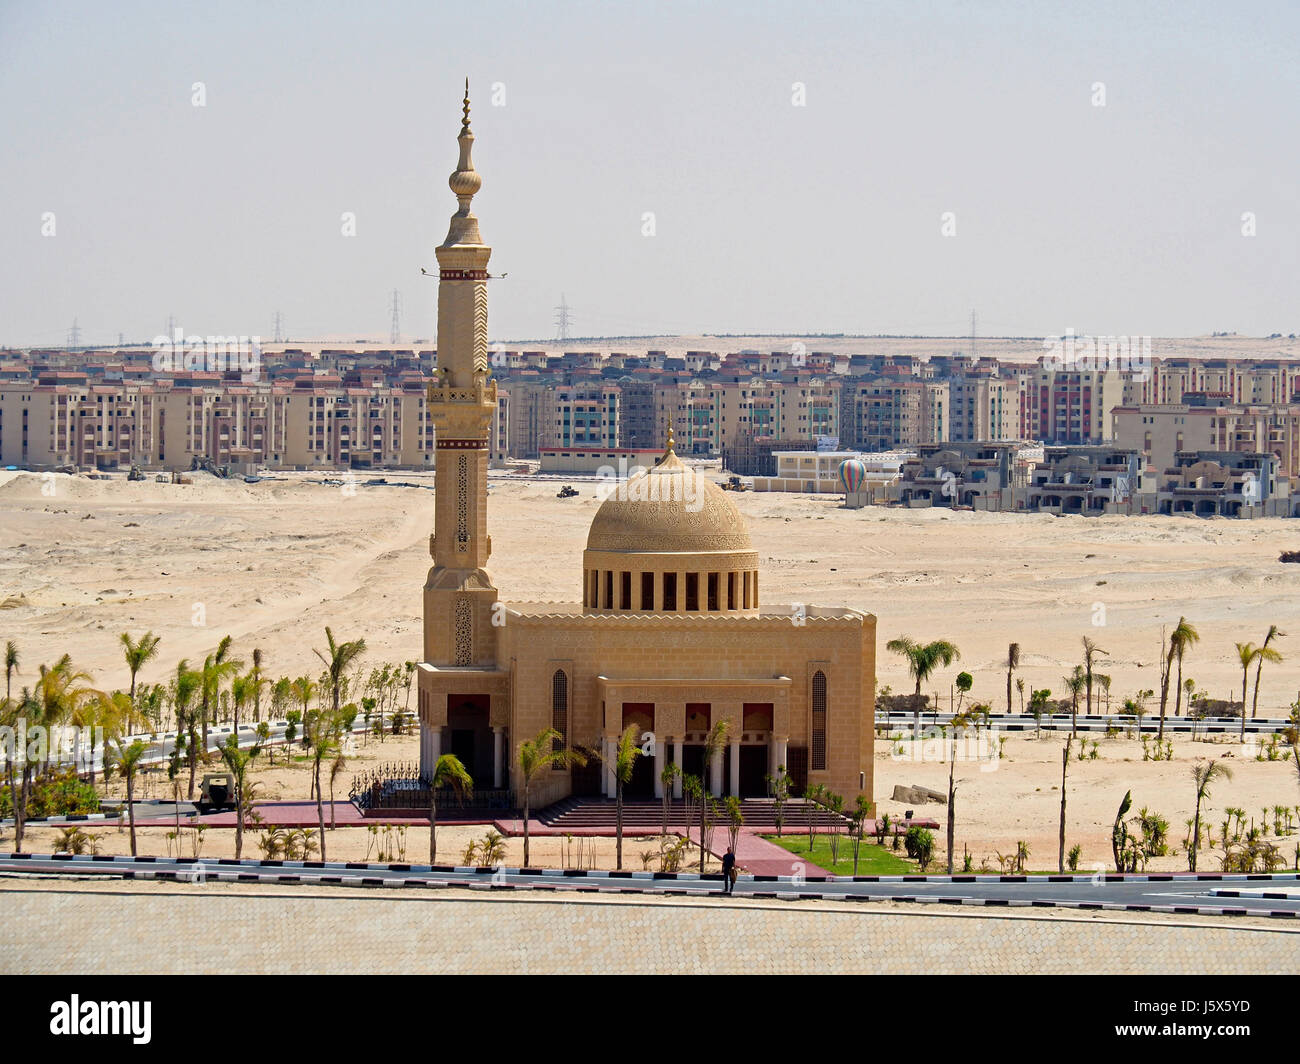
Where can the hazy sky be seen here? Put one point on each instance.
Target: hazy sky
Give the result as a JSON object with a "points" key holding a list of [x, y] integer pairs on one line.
{"points": [[768, 217]]}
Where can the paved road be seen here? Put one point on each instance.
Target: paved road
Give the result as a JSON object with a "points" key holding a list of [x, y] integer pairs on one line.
{"points": [[1097, 723], [1241, 894]]}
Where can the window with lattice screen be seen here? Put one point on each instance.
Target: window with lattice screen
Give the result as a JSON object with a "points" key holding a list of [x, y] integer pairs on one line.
{"points": [[560, 712], [819, 721]]}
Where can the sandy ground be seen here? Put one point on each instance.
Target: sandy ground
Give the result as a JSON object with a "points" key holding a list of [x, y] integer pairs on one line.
{"points": [[1001, 802], [273, 563]]}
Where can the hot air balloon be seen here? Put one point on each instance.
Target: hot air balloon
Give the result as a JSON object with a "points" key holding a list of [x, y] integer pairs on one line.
{"points": [[852, 474]]}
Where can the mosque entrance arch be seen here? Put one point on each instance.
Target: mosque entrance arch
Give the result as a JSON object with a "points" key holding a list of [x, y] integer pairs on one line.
{"points": [[641, 716], [470, 735]]}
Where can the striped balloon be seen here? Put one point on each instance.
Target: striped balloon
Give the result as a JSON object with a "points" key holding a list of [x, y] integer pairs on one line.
{"points": [[852, 474]]}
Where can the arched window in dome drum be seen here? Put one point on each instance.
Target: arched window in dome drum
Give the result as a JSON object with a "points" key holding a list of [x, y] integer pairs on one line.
{"points": [[560, 712], [648, 592], [819, 721]]}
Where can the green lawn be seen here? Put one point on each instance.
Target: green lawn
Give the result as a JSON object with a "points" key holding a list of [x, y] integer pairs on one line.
{"points": [[873, 860]]}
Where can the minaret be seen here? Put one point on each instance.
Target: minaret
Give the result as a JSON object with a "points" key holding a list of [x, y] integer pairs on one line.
{"points": [[462, 399]]}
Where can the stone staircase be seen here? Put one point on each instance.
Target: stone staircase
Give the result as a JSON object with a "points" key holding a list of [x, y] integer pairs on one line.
{"points": [[646, 814]]}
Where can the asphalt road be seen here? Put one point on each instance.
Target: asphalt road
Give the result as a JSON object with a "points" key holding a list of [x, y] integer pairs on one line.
{"points": [[1260, 894]]}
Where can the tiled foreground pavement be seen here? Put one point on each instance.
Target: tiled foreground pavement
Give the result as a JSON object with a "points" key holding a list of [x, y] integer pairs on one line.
{"points": [[70, 927]]}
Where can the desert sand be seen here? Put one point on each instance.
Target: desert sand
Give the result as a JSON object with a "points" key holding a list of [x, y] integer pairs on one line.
{"points": [[273, 563]]}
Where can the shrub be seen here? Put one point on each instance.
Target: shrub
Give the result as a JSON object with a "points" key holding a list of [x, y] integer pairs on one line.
{"points": [[59, 792], [1072, 858], [920, 846]]}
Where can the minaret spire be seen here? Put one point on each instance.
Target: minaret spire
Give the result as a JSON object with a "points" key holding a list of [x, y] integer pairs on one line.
{"points": [[464, 182]]}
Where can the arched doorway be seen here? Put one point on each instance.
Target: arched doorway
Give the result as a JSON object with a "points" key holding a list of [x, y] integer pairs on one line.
{"points": [[641, 716]]}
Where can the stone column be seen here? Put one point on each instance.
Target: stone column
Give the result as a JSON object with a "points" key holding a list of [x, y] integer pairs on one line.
{"points": [[430, 749], [677, 760], [735, 767], [659, 767], [715, 774], [498, 734], [781, 745]]}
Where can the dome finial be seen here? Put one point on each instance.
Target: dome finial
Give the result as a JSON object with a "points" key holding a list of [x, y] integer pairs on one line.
{"points": [[464, 122], [671, 447]]}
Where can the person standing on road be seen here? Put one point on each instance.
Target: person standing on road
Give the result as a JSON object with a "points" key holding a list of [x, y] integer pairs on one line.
{"points": [[728, 871]]}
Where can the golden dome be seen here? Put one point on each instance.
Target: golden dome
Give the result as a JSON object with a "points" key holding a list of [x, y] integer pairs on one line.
{"points": [[670, 509]]}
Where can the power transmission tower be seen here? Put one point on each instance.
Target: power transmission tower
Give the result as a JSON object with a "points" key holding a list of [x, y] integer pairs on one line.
{"points": [[74, 334], [972, 336], [395, 329], [562, 319], [278, 322], [171, 326]]}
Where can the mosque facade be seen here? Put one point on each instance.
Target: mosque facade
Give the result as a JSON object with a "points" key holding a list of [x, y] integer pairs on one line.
{"points": [[667, 633]]}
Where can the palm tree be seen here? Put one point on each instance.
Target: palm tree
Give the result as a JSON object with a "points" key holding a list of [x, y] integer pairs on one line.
{"points": [[447, 772], [258, 681], [237, 763], [1182, 639], [304, 690], [1266, 653], [127, 758], [322, 730], [241, 690], [183, 688], [667, 780], [924, 658], [713, 742], [626, 751], [217, 668], [138, 654], [1020, 690], [1013, 663], [11, 664], [340, 657], [1074, 682], [1204, 773], [1090, 651], [536, 755], [1246, 655]]}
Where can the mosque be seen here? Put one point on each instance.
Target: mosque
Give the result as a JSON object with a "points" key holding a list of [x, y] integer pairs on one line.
{"points": [[668, 635]]}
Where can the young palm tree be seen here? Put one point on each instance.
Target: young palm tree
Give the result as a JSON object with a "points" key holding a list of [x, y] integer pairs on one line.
{"points": [[1020, 690], [536, 755], [713, 742], [304, 690], [1090, 652], [322, 729], [237, 762], [1013, 663], [667, 780], [127, 759], [183, 689], [11, 664], [1183, 638], [626, 751], [341, 656], [1266, 653], [1074, 684], [447, 772], [241, 691], [217, 668], [1204, 773], [1246, 655], [924, 658], [258, 682], [138, 654]]}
